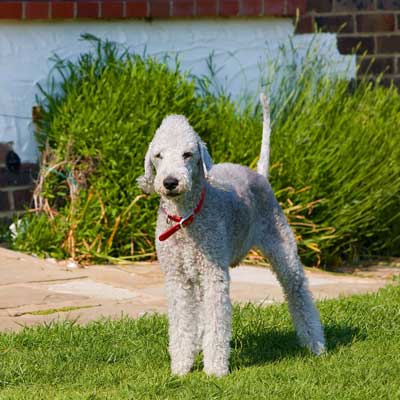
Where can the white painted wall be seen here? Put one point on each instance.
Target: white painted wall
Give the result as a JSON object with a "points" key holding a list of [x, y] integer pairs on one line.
{"points": [[241, 47]]}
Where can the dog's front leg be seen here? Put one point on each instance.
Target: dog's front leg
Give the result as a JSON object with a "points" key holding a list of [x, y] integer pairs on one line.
{"points": [[182, 316], [217, 315]]}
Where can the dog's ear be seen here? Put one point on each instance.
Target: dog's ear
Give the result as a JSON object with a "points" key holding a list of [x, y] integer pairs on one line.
{"points": [[205, 158], [146, 181]]}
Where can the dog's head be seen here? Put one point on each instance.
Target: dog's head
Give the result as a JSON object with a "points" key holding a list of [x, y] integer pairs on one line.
{"points": [[176, 157]]}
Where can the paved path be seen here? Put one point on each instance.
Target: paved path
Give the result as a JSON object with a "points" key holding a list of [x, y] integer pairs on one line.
{"points": [[33, 291]]}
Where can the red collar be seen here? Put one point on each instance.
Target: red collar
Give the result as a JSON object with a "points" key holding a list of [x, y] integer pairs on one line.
{"points": [[182, 221]]}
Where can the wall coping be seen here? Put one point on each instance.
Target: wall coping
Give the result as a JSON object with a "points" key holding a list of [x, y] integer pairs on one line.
{"points": [[125, 9]]}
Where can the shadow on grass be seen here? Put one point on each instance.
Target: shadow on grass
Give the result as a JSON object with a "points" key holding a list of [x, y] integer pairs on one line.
{"points": [[270, 346]]}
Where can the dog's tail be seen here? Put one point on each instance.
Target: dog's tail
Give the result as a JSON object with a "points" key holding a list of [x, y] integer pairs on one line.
{"points": [[263, 162]]}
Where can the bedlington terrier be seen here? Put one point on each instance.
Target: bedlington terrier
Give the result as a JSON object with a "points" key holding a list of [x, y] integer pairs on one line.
{"points": [[209, 217]]}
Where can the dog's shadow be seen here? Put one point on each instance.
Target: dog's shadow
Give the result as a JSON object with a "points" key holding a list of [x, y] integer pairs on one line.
{"points": [[272, 345]]}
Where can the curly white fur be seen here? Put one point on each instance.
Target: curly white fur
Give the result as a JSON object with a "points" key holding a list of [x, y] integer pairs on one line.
{"points": [[239, 212]]}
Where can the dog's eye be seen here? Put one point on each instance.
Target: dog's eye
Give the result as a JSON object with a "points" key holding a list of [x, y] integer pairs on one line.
{"points": [[187, 155], [159, 156]]}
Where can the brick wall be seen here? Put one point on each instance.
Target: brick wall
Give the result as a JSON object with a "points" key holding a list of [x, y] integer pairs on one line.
{"points": [[362, 26], [15, 186], [114, 9], [370, 28]]}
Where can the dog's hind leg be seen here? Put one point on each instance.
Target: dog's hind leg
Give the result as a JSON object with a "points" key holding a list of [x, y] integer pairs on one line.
{"points": [[278, 244]]}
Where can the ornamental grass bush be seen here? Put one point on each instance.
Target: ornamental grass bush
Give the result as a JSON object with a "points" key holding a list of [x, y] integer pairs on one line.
{"points": [[334, 156]]}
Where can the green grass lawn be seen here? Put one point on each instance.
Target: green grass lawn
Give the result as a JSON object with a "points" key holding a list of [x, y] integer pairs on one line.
{"points": [[128, 359]]}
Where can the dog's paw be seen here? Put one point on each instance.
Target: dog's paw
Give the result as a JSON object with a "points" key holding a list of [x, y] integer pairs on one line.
{"points": [[217, 371], [180, 368], [318, 348]]}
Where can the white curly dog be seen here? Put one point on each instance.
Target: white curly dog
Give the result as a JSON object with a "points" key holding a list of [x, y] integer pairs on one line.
{"points": [[209, 217]]}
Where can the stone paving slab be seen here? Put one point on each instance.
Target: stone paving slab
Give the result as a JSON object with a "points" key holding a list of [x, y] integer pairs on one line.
{"points": [[30, 286], [17, 267]]}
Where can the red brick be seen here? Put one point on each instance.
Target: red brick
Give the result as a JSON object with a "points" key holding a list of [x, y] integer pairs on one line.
{"points": [[112, 9], [357, 45], [274, 7], [37, 10], [319, 5], [159, 8], [183, 8], [10, 10], [388, 82], [22, 199], [228, 8], [375, 66], [388, 44], [206, 8], [354, 5], [375, 23], [250, 8], [4, 203], [305, 25], [294, 6], [88, 9], [342, 23], [136, 8], [62, 9], [25, 176], [389, 5]]}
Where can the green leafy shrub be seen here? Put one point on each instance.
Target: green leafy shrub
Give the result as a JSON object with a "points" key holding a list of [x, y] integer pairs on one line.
{"points": [[346, 148], [335, 156]]}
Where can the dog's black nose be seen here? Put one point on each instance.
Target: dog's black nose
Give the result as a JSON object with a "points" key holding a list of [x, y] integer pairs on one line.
{"points": [[170, 182]]}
